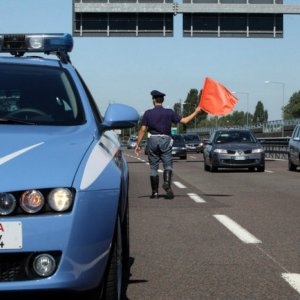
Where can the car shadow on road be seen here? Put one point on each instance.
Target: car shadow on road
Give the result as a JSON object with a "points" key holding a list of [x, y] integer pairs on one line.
{"points": [[127, 279]]}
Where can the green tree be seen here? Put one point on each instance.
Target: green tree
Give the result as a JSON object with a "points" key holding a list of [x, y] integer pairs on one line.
{"points": [[190, 102], [177, 108], [260, 115], [189, 105], [292, 109], [236, 118]]}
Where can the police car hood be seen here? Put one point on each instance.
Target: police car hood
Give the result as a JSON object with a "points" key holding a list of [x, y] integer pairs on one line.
{"points": [[41, 157]]}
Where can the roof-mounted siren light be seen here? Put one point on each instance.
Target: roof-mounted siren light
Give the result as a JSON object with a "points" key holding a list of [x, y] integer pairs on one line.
{"points": [[18, 44]]}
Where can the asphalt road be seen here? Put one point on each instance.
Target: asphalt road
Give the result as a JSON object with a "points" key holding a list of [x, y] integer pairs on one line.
{"points": [[229, 235]]}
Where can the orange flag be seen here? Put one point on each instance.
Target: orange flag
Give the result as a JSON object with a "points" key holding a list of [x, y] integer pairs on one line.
{"points": [[215, 99]]}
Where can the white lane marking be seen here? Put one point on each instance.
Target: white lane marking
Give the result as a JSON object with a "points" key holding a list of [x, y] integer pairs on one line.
{"points": [[237, 230], [293, 279], [179, 185], [242, 234], [141, 159], [196, 198]]}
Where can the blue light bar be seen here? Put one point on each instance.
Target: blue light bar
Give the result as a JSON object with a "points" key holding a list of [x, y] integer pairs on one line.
{"points": [[21, 43]]}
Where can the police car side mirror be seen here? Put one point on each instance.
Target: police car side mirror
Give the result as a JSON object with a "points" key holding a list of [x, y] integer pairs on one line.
{"points": [[119, 116]]}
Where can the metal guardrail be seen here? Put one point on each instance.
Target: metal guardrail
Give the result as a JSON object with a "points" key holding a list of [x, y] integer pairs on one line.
{"points": [[268, 128], [276, 148]]}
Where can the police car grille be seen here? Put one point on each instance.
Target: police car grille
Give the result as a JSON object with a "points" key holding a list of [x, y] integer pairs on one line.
{"points": [[12, 266]]}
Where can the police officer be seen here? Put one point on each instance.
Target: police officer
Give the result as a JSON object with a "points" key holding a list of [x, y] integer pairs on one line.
{"points": [[158, 123]]}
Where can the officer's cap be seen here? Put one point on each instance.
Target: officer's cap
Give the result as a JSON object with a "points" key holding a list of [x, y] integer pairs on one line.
{"points": [[157, 94]]}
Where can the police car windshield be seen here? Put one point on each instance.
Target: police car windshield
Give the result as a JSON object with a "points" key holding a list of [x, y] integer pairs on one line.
{"points": [[38, 95], [234, 137]]}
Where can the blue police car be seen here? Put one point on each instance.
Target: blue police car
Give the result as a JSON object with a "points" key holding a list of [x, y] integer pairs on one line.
{"points": [[64, 180]]}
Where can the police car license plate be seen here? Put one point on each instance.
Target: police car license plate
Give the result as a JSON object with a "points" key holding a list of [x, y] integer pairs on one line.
{"points": [[10, 235]]}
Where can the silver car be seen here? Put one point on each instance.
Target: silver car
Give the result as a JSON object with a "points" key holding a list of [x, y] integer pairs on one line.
{"points": [[294, 149], [233, 148], [178, 147], [193, 142]]}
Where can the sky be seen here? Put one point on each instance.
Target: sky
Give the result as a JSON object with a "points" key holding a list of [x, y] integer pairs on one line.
{"points": [[125, 70]]}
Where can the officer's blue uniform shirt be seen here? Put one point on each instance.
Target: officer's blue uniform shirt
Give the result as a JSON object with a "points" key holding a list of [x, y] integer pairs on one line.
{"points": [[159, 120]]}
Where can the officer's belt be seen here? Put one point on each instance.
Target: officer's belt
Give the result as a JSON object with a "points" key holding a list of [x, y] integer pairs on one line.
{"points": [[154, 134]]}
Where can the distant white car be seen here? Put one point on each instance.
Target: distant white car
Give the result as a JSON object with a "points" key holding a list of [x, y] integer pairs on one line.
{"points": [[132, 141]]}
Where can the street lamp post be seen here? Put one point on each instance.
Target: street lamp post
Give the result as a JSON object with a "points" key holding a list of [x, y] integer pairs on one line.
{"points": [[283, 94], [247, 113]]}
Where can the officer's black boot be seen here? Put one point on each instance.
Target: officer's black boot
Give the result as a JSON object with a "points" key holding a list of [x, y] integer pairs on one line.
{"points": [[167, 184], [154, 185]]}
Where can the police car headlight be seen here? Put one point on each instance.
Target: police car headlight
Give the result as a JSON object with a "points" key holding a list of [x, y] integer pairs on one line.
{"points": [[32, 201], [7, 203], [60, 199]]}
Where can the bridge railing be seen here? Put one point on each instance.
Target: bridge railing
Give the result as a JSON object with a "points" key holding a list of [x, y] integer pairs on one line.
{"points": [[276, 148]]}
